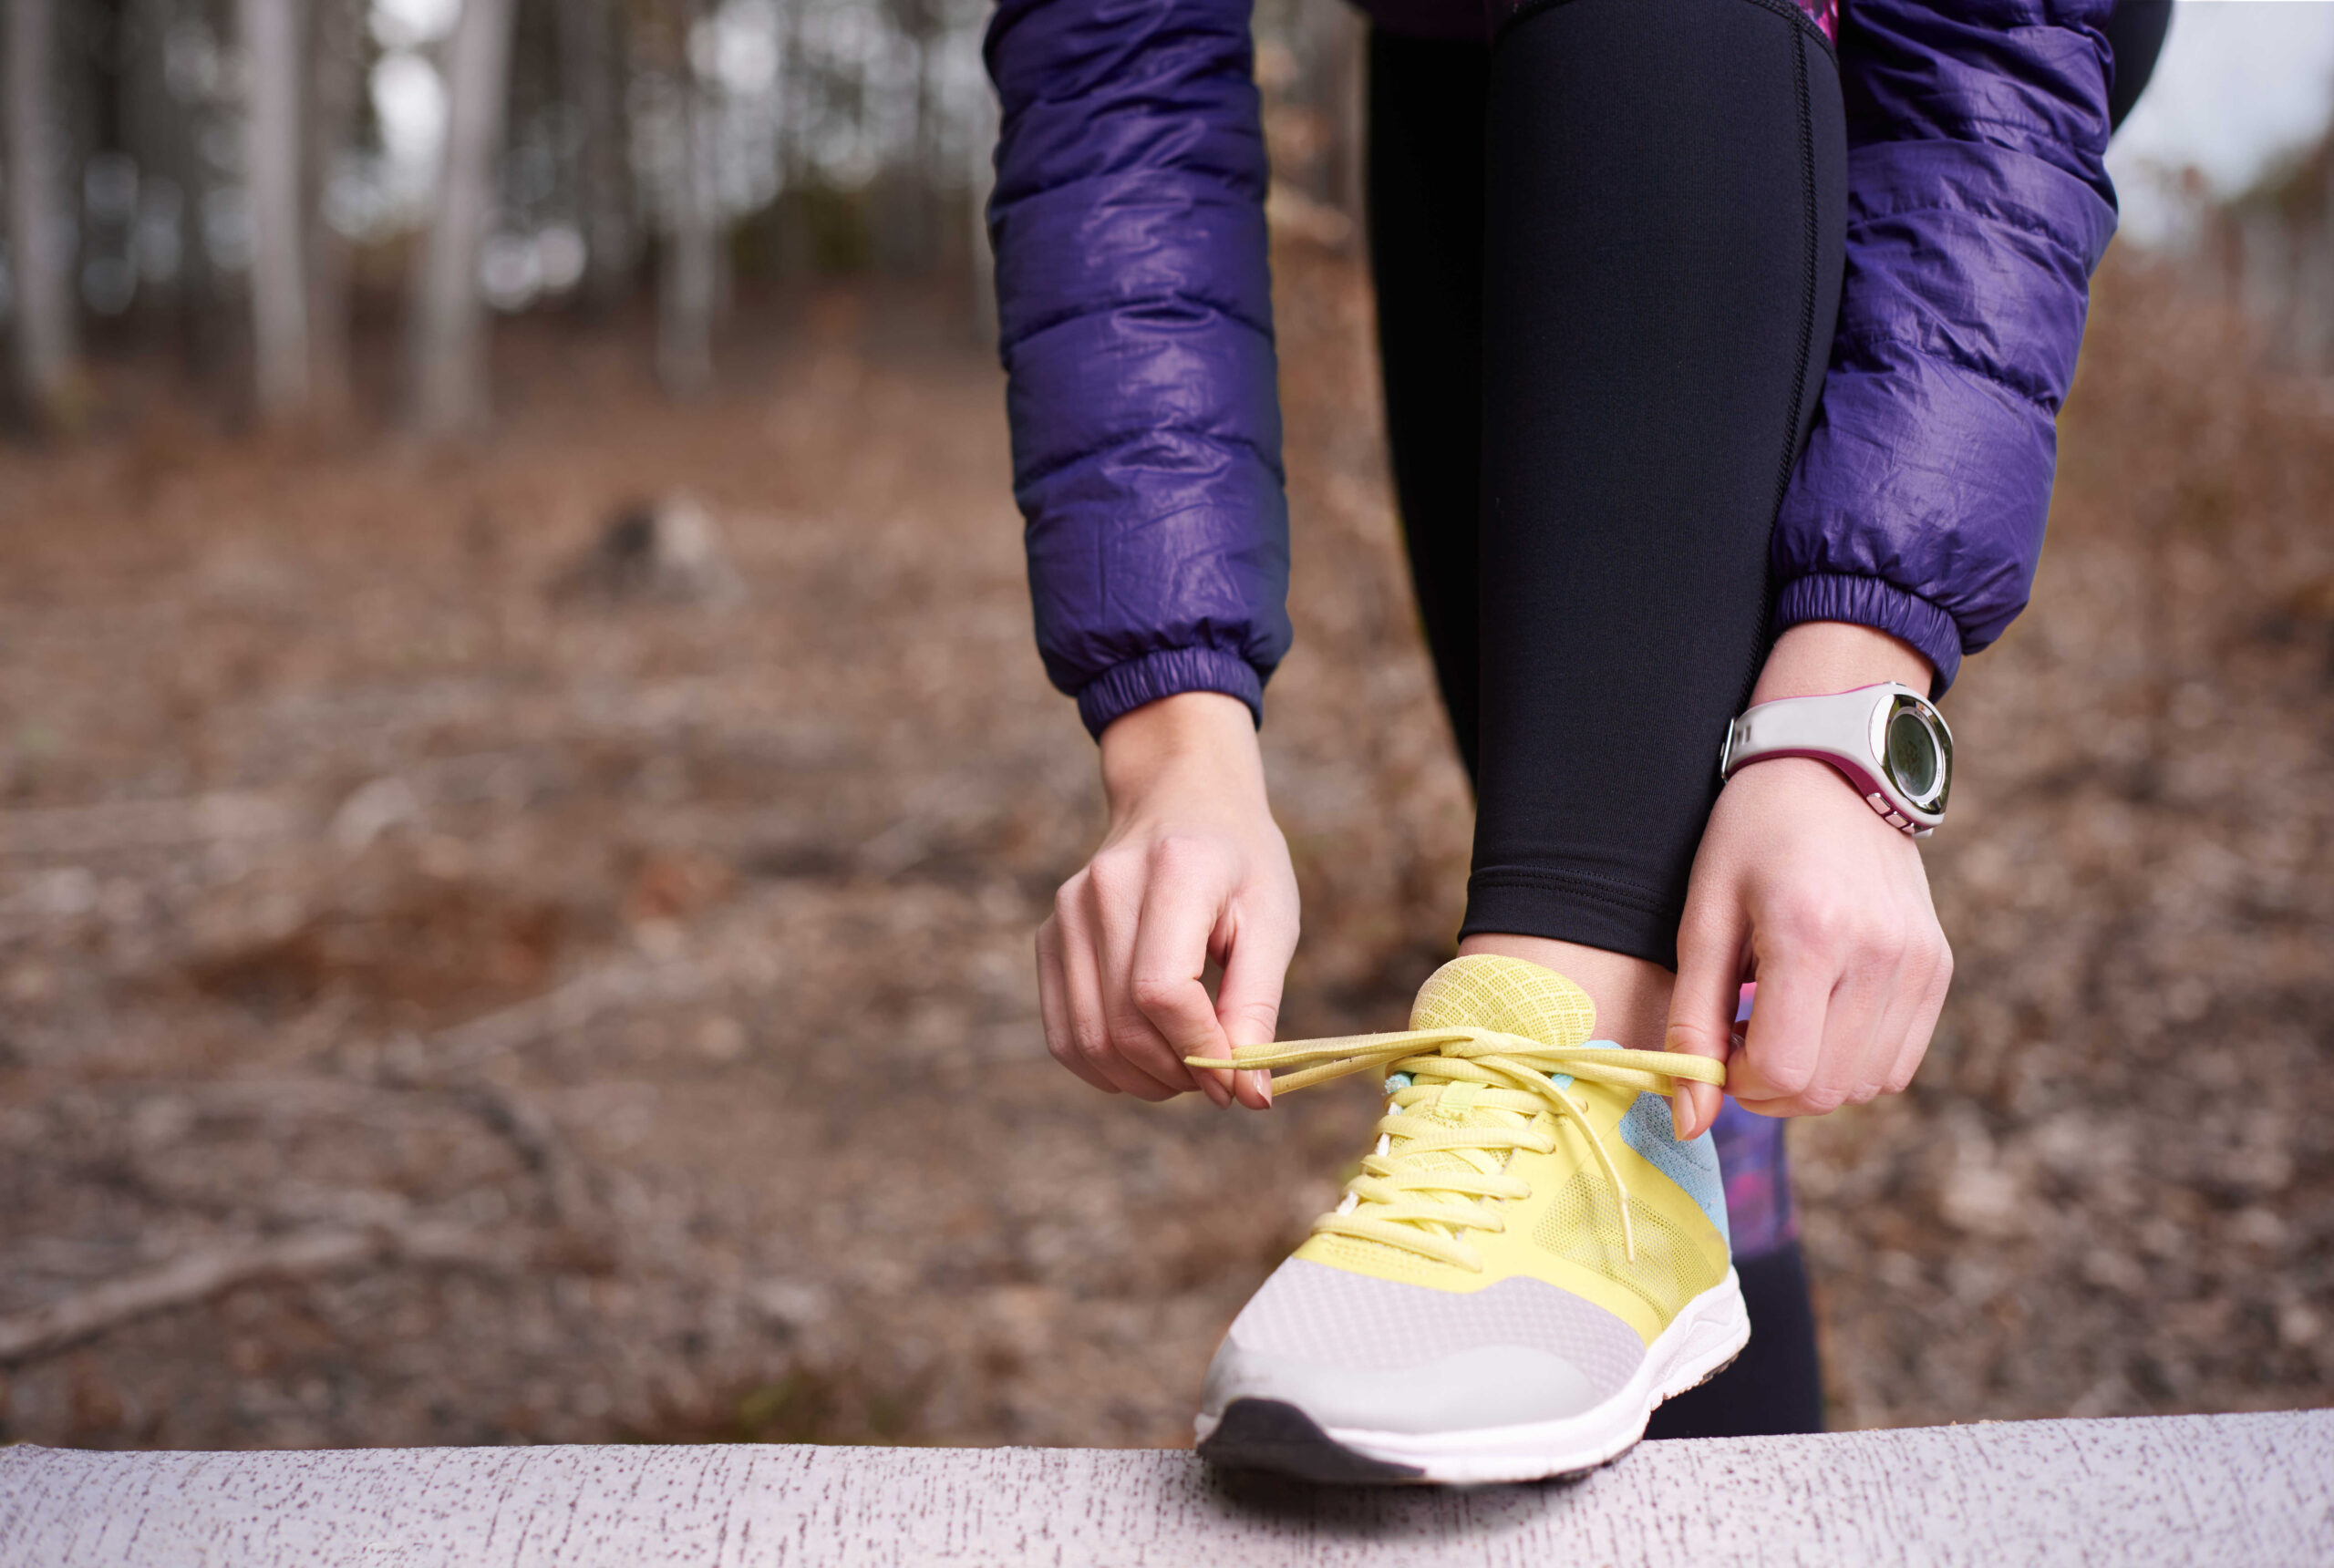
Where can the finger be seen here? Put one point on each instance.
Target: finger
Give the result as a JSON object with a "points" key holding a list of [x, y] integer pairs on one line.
{"points": [[1168, 982], [1922, 1026], [1255, 967], [1908, 988], [1116, 895], [1702, 1010], [1855, 1056], [1089, 1020], [1784, 1039], [1053, 1007], [1121, 893]]}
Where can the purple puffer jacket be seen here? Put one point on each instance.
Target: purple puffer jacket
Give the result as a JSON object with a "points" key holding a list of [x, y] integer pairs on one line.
{"points": [[1135, 308]]}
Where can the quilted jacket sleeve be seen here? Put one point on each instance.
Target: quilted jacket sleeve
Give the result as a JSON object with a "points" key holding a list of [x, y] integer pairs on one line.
{"points": [[1977, 206], [1135, 309]]}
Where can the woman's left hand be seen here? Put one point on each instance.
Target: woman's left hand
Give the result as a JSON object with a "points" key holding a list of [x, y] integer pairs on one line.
{"points": [[1800, 887]]}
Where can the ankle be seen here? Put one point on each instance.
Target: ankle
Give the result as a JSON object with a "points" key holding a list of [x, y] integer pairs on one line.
{"points": [[1632, 996]]}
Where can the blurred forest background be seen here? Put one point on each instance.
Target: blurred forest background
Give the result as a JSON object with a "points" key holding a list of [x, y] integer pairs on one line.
{"points": [[525, 791]]}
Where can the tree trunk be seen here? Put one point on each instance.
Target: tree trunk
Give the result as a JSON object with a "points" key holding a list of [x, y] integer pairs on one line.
{"points": [[449, 348], [272, 141], [589, 58], [982, 183], [335, 91], [39, 234], [689, 281]]}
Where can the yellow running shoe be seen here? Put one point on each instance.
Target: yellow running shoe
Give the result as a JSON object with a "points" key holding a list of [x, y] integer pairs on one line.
{"points": [[1528, 1262]]}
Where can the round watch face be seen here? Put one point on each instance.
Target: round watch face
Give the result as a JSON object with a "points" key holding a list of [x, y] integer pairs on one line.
{"points": [[1918, 755]]}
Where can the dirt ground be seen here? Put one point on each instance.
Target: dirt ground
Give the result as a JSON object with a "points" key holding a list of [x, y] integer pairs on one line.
{"points": [[443, 1001]]}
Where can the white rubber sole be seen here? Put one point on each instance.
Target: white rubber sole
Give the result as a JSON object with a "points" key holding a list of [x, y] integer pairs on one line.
{"points": [[1699, 1342]]}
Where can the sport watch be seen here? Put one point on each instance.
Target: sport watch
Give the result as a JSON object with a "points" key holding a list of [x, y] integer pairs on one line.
{"points": [[1890, 741]]}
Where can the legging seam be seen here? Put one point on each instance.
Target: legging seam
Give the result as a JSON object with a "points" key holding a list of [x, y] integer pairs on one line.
{"points": [[1811, 263], [1787, 9]]}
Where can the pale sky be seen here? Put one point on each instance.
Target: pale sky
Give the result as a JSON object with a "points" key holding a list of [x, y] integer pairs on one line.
{"points": [[2241, 82]]}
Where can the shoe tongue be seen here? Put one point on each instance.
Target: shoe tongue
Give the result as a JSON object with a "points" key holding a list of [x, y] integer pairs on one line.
{"points": [[1486, 991], [1512, 995]]}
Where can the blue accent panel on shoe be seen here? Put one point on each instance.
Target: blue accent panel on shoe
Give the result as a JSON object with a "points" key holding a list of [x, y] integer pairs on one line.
{"points": [[1650, 1129]]}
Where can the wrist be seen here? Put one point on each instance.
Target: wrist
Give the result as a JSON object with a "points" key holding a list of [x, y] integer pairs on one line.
{"points": [[1816, 658], [1885, 740], [1199, 736]]}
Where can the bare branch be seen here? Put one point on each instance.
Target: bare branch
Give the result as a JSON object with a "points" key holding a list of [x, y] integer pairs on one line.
{"points": [[197, 1276]]}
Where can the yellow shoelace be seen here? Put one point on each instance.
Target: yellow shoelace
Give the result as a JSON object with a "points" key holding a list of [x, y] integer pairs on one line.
{"points": [[1401, 1199]]}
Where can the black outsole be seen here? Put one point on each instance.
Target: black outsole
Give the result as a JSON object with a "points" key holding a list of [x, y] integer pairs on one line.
{"points": [[1268, 1435], [1271, 1435]]}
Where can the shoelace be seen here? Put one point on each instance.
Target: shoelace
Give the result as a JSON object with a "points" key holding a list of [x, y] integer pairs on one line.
{"points": [[1401, 1202]]}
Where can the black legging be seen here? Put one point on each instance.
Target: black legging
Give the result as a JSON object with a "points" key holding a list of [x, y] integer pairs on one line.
{"points": [[1655, 234], [1607, 251]]}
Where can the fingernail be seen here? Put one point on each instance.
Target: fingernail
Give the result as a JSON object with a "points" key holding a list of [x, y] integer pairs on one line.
{"points": [[1681, 1115]]}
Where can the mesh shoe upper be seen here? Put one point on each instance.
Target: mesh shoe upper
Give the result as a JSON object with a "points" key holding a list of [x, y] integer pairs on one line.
{"points": [[1311, 1312]]}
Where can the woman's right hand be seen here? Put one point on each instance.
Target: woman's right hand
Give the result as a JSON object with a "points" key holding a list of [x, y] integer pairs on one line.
{"points": [[1192, 869]]}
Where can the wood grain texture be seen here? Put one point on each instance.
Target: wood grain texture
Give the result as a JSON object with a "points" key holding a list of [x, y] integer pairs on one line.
{"points": [[2255, 1490]]}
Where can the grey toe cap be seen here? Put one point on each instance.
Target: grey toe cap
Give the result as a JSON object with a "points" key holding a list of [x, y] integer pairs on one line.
{"points": [[1487, 1386], [1356, 1351]]}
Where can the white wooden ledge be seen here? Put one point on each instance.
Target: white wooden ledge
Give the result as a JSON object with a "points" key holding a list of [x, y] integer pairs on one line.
{"points": [[2251, 1491]]}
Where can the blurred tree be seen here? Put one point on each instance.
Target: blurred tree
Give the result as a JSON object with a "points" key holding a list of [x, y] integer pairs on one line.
{"points": [[245, 172], [905, 193], [335, 91], [172, 102], [592, 65], [40, 223], [2282, 241], [981, 148], [688, 277], [448, 345], [271, 147]]}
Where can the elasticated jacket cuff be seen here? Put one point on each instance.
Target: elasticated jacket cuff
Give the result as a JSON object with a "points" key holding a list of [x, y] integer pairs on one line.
{"points": [[1124, 687], [1880, 605]]}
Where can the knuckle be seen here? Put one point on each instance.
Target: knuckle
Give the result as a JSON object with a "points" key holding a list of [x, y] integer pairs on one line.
{"points": [[1694, 1039], [1157, 993], [1130, 1031], [1814, 921], [1258, 1016], [1180, 855], [1112, 871], [1788, 1079]]}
